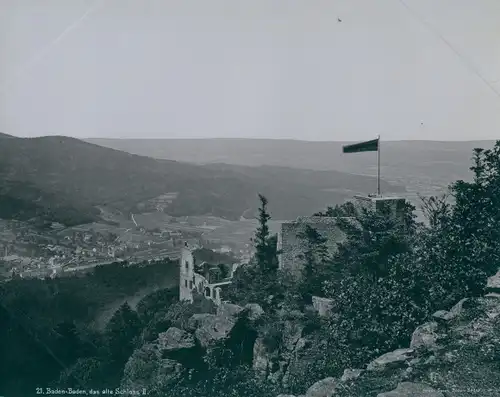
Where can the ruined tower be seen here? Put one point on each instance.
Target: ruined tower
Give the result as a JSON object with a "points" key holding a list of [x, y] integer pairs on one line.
{"points": [[186, 274], [376, 203]]}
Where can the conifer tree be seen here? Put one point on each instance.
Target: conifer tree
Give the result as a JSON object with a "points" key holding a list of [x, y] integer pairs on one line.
{"points": [[121, 333], [265, 244]]}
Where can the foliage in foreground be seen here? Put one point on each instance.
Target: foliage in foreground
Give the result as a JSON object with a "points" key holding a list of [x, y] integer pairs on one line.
{"points": [[386, 279]]}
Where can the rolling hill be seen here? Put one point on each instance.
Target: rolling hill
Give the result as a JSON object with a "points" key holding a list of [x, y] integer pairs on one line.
{"points": [[423, 166], [64, 179]]}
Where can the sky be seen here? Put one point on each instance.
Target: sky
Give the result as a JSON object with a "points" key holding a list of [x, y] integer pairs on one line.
{"points": [[251, 69]]}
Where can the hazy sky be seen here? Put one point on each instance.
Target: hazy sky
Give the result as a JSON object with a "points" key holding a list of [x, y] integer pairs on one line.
{"points": [[250, 68]]}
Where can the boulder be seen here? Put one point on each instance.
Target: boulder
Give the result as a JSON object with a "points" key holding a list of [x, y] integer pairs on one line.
{"points": [[141, 367], [440, 315], [168, 372], [145, 369], [455, 311], [393, 359], [261, 357], [212, 328], [255, 311], [409, 389], [174, 339], [425, 336], [493, 283], [228, 310], [197, 319], [292, 344], [491, 305], [351, 374], [323, 388], [477, 330]]}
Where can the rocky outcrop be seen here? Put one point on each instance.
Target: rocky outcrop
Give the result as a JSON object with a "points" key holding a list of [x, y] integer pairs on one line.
{"points": [[275, 364], [493, 284], [175, 339], [292, 344], [146, 367], [394, 359], [167, 372], [456, 353], [262, 363], [161, 362], [351, 374], [425, 336], [212, 328], [408, 389], [196, 320], [323, 388], [254, 310], [229, 310], [452, 314], [492, 295]]}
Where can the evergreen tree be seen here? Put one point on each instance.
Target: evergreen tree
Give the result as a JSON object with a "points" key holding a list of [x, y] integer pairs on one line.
{"points": [[265, 251], [373, 237], [68, 344], [257, 282], [343, 210], [122, 332]]}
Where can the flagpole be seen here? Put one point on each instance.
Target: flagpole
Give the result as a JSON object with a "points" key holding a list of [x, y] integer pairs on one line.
{"points": [[378, 166]]}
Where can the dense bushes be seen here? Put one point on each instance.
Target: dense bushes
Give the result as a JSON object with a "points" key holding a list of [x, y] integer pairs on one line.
{"points": [[388, 277]]}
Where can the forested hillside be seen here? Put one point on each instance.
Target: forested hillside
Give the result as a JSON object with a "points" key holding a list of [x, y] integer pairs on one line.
{"points": [[63, 179], [48, 324]]}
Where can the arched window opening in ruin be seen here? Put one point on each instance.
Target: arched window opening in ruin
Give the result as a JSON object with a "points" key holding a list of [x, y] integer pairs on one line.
{"points": [[207, 291]]}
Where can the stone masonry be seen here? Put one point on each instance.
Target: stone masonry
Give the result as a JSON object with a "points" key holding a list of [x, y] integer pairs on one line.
{"points": [[291, 246]]}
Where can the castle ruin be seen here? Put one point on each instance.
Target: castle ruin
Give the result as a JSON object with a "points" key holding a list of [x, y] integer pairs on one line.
{"points": [[191, 280], [291, 245]]}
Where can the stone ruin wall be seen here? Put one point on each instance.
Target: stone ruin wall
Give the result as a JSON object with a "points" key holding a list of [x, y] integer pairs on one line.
{"points": [[292, 246], [322, 305], [396, 204]]}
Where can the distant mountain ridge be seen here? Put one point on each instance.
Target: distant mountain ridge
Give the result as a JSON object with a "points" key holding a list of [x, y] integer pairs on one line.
{"points": [[423, 166], [64, 179]]}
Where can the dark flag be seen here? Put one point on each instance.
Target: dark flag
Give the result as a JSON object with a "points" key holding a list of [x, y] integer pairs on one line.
{"points": [[367, 146]]}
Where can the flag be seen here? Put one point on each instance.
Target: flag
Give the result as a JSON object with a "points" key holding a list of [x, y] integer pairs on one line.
{"points": [[367, 146]]}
